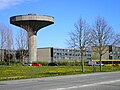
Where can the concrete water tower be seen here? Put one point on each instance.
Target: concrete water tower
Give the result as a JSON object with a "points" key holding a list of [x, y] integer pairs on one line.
{"points": [[32, 23]]}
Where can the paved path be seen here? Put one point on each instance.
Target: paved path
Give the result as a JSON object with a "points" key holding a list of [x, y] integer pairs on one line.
{"points": [[95, 81]]}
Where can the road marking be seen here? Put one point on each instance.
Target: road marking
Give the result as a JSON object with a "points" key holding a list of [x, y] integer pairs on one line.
{"points": [[86, 85]]}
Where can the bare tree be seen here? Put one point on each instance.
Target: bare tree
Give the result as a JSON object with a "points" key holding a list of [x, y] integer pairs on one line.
{"points": [[102, 35], [72, 44], [2, 40], [9, 45], [9, 39], [79, 38], [22, 44], [117, 39], [6, 43]]}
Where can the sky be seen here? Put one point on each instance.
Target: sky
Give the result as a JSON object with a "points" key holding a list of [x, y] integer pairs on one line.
{"points": [[65, 13]]}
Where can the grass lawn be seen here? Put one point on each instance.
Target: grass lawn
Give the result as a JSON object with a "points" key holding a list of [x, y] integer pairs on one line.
{"points": [[22, 72]]}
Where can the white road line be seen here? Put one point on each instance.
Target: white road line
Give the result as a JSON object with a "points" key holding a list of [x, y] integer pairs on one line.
{"points": [[86, 85]]}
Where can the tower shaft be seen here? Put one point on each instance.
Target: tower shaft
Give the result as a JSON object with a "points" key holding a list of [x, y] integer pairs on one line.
{"points": [[32, 49]]}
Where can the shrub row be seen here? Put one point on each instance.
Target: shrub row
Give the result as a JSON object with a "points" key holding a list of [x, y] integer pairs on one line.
{"points": [[60, 63]]}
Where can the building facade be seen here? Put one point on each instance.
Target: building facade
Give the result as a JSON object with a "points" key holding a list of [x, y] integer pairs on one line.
{"points": [[110, 53], [114, 53], [51, 54]]}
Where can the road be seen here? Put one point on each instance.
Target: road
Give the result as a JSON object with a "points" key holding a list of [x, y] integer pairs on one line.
{"points": [[94, 81]]}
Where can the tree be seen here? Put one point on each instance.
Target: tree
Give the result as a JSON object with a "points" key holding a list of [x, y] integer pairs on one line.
{"points": [[9, 45], [6, 43], [79, 38], [102, 35], [117, 39], [2, 40], [22, 44]]}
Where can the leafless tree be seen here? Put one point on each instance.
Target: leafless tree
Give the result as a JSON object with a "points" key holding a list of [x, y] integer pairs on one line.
{"points": [[9, 44], [22, 44], [117, 39], [79, 38], [6, 43], [72, 44], [9, 39], [102, 35], [2, 40]]}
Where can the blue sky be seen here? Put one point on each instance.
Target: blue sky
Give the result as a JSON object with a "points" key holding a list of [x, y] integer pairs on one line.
{"points": [[65, 13]]}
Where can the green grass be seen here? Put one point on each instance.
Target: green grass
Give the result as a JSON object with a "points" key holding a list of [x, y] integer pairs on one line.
{"points": [[22, 72]]}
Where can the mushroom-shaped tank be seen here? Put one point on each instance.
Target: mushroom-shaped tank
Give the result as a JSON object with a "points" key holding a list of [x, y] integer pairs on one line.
{"points": [[32, 23]]}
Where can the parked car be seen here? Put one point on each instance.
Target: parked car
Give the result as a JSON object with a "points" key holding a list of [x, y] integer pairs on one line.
{"points": [[98, 64], [53, 64], [36, 64], [33, 64], [90, 63], [27, 64]]}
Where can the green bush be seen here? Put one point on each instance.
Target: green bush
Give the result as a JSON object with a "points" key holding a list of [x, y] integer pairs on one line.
{"points": [[2, 63], [11, 63], [61, 63]]}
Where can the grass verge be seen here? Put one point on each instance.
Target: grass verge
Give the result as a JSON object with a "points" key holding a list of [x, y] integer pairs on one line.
{"points": [[23, 72]]}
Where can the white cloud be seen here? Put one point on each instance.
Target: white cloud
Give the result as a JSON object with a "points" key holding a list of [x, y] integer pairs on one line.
{"points": [[9, 3]]}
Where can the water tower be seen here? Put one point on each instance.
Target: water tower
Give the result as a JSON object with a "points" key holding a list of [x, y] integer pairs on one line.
{"points": [[32, 23]]}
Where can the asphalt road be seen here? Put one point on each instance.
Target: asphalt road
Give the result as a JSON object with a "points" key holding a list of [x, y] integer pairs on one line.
{"points": [[95, 81]]}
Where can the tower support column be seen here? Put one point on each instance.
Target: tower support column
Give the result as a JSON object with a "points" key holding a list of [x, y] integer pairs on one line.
{"points": [[32, 47]]}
